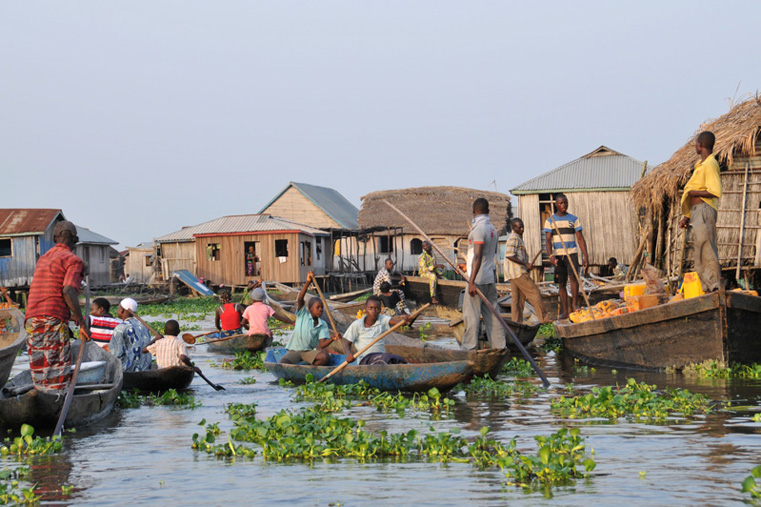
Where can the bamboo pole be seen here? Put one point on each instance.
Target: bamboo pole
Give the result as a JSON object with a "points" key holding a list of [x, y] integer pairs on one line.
{"points": [[742, 223]]}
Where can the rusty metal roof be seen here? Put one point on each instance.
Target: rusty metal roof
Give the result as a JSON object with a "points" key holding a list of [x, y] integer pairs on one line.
{"points": [[26, 222], [238, 224]]}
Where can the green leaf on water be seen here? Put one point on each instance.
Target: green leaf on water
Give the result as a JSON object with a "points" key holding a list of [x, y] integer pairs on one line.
{"points": [[544, 454], [26, 430], [749, 484]]}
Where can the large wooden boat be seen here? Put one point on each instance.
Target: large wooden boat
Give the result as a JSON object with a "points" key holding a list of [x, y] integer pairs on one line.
{"points": [[448, 290], [159, 380], [722, 326], [20, 403], [485, 361], [12, 338], [387, 377]]}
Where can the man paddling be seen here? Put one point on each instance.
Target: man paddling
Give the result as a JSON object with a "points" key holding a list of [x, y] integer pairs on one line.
{"points": [[362, 331], [53, 301], [311, 336]]}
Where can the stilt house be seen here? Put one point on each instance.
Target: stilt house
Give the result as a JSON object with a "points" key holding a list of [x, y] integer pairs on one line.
{"points": [[597, 186], [25, 235], [140, 263], [96, 251], [444, 214], [659, 194]]}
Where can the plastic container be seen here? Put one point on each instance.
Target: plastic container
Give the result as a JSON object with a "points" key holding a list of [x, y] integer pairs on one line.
{"points": [[635, 303], [691, 287], [634, 289]]}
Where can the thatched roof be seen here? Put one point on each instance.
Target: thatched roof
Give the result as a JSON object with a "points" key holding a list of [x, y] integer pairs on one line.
{"points": [[436, 210], [736, 134]]}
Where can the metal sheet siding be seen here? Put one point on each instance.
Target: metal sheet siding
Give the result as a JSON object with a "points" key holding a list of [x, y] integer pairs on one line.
{"points": [[17, 271], [238, 224]]}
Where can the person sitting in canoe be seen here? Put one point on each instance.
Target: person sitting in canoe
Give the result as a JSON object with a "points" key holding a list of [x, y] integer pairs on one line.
{"points": [[384, 276], [362, 331], [311, 336], [102, 323], [130, 338], [392, 302], [228, 317], [255, 316], [169, 350]]}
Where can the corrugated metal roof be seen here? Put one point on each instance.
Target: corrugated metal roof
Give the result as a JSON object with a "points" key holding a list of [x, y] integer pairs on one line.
{"points": [[335, 205], [601, 169], [24, 222], [238, 224], [93, 238]]}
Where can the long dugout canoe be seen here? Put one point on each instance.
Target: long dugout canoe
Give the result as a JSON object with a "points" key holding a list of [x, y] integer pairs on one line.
{"points": [[178, 378], [386, 377], [722, 326]]}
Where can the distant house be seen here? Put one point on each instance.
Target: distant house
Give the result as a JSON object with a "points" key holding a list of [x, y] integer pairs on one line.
{"points": [[319, 207], [97, 252], [444, 214], [597, 186], [25, 235], [139, 265]]}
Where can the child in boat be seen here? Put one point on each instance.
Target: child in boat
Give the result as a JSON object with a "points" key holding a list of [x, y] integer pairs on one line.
{"points": [[170, 350], [228, 317], [363, 331], [255, 316], [102, 324], [311, 336], [391, 299]]}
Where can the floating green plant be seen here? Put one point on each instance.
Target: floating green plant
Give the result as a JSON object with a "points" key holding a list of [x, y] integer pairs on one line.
{"points": [[11, 493], [245, 360], [637, 400], [751, 485], [28, 444], [486, 387], [171, 397], [518, 367]]}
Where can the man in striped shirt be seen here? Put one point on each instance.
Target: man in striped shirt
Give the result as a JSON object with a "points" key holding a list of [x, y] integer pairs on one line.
{"points": [[102, 324], [517, 269], [564, 240]]}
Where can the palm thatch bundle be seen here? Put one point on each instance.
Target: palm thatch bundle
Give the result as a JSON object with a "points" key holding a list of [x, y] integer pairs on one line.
{"points": [[736, 133], [437, 210]]}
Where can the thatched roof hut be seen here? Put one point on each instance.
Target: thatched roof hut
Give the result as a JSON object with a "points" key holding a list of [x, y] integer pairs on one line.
{"points": [[437, 210], [738, 143]]}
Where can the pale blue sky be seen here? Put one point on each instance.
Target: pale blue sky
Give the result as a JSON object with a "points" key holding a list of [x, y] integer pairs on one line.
{"points": [[138, 118]]}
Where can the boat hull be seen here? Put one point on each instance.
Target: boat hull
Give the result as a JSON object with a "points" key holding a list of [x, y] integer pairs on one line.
{"points": [[715, 327], [178, 378], [386, 377], [11, 341], [42, 410], [252, 343]]}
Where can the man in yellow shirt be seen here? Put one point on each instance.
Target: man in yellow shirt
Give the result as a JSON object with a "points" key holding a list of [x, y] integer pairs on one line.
{"points": [[700, 203]]}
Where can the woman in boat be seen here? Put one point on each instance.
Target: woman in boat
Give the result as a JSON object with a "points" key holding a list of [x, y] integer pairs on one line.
{"points": [[311, 336], [363, 331], [228, 317], [255, 316]]}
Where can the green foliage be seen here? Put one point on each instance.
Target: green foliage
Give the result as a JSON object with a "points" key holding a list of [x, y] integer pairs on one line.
{"points": [[248, 380], [170, 397], [245, 360], [424, 331], [518, 367], [241, 411], [638, 401], [10, 493], [546, 330], [27, 444], [181, 308], [715, 369], [486, 387], [751, 486]]}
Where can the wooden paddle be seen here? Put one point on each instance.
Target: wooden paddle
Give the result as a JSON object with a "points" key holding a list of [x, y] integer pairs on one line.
{"points": [[190, 364], [343, 365], [73, 381], [575, 273], [325, 306], [191, 340], [224, 339], [481, 295]]}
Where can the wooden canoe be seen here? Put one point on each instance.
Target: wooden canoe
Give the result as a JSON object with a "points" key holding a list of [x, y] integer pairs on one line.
{"points": [[115, 300], [178, 378], [349, 296], [241, 343], [722, 326], [12, 338], [485, 361], [386, 377], [90, 403]]}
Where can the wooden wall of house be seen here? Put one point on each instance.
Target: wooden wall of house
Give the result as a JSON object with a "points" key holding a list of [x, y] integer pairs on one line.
{"points": [[230, 269], [294, 206], [176, 256], [608, 220], [136, 267], [98, 261]]}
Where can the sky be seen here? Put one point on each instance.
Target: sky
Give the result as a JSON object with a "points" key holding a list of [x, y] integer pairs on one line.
{"points": [[139, 118]]}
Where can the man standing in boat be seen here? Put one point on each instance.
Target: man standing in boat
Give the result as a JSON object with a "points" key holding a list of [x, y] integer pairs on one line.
{"points": [[53, 301], [483, 242], [700, 202], [427, 268], [517, 269], [384, 275], [564, 239]]}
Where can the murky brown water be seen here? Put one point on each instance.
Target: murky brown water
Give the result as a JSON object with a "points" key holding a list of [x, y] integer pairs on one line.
{"points": [[143, 456]]}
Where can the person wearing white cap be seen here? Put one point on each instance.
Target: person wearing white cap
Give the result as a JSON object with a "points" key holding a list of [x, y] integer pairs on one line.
{"points": [[130, 338]]}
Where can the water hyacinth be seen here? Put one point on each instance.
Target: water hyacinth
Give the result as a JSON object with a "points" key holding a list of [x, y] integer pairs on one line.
{"points": [[636, 400]]}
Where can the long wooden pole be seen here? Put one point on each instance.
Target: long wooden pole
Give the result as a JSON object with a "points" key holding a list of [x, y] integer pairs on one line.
{"points": [[376, 340], [325, 305], [480, 295], [742, 223], [73, 382], [573, 267]]}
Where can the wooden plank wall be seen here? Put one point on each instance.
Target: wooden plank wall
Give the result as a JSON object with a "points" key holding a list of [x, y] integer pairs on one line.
{"points": [[609, 222], [528, 211], [136, 267], [294, 206], [176, 256]]}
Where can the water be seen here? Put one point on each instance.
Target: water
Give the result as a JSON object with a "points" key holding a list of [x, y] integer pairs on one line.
{"points": [[143, 456]]}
